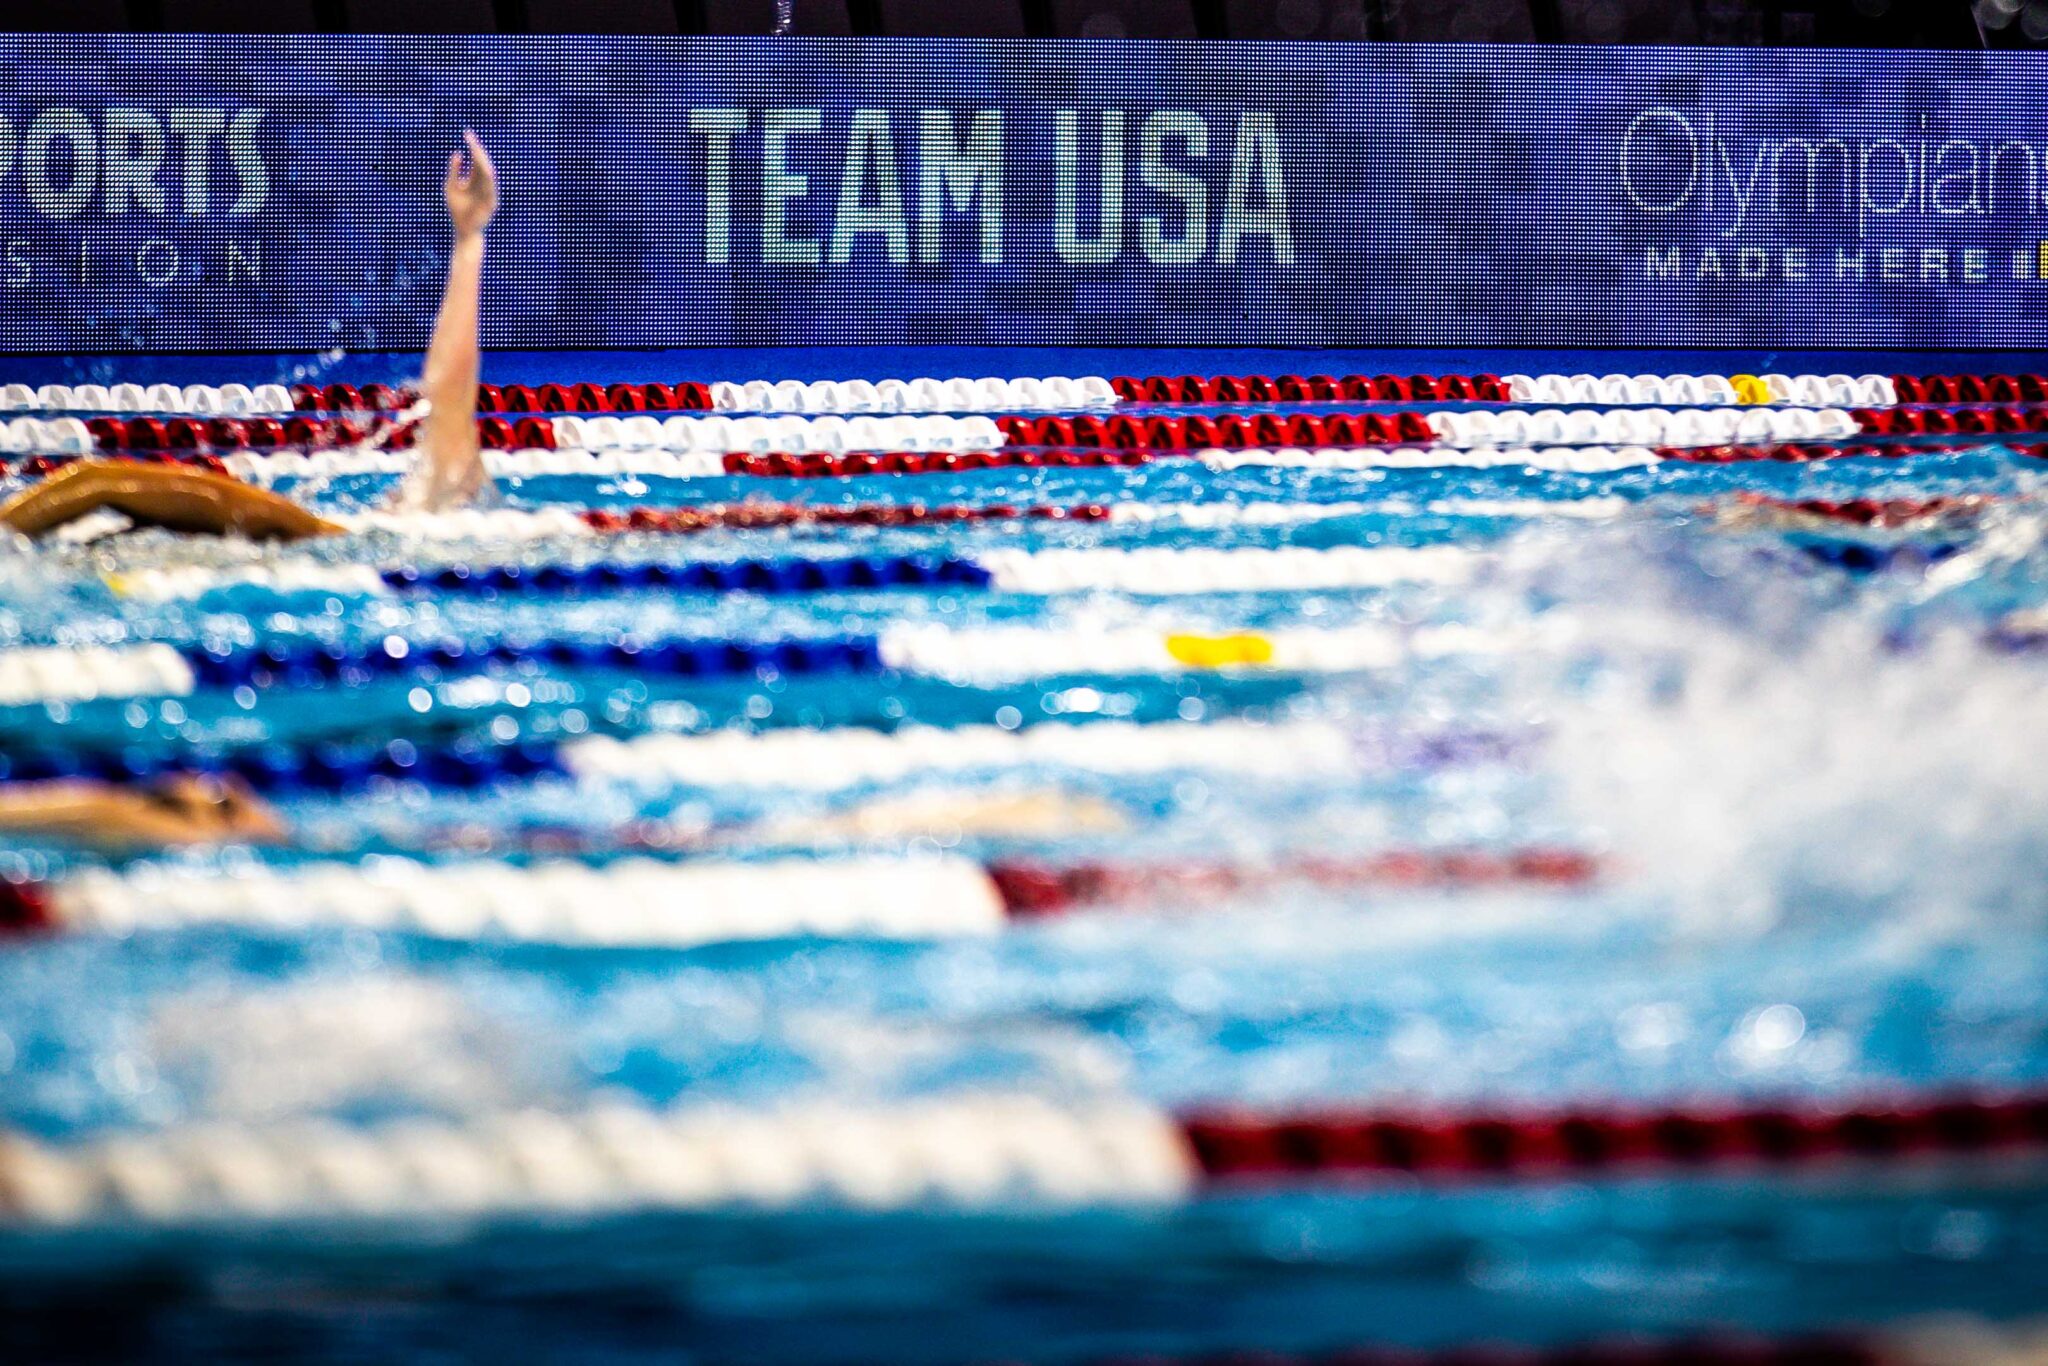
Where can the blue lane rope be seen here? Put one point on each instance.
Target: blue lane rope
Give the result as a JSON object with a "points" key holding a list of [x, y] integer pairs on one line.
{"points": [[284, 771], [301, 664], [732, 576]]}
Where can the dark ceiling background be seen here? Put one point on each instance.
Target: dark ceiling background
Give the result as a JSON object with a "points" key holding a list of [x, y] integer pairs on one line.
{"points": [[1854, 23]]}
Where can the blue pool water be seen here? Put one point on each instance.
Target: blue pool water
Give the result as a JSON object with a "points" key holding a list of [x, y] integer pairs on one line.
{"points": [[1822, 796]]}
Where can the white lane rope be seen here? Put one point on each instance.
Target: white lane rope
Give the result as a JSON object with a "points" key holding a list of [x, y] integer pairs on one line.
{"points": [[824, 760], [630, 902], [1625, 427], [1563, 459], [84, 673], [1002, 653], [979, 1150], [1171, 571], [1596, 508], [962, 394]]}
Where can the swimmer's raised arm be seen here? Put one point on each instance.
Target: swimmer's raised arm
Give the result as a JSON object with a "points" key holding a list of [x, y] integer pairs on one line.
{"points": [[452, 469]]}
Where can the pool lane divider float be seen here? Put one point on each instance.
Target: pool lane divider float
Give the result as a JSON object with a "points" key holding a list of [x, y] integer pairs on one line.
{"points": [[796, 759], [978, 1150], [1937, 1341], [638, 901], [883, 437], [271, 467], [42, 674], [989, 393], [776, 516], [1155, 572]]}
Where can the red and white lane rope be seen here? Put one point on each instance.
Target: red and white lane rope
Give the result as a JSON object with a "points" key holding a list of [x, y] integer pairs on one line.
{"points": [[972, 1150], [1814, 391], [660, 903], [990, 394], [632, 901], [878, 437], [775, 516]]}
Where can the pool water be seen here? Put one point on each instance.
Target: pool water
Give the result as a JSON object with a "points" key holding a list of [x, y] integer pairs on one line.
{"points": [[1807, 756]]}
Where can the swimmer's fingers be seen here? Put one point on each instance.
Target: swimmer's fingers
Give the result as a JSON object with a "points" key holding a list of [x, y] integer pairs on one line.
{"points": [[481, 159], [472, 187]]}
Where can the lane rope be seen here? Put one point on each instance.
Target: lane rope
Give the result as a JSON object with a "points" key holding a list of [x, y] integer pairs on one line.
{"points": [[38, 674], [979, 1150], [1153, 572]]}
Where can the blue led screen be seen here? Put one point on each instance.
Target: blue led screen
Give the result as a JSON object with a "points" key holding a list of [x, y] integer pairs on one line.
{"points": [[227, 193]]}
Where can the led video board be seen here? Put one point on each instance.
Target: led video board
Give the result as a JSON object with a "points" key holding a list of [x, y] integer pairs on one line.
{"points": [[236, 193]]}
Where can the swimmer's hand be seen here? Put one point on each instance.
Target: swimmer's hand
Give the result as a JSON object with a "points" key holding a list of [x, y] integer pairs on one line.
{"points": [[176, 497], [183, 809], [471, 188]]}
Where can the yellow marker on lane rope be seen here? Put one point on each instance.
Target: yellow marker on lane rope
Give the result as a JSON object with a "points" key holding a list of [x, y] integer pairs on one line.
{"points": [[1220, 652], [1750, 389]]}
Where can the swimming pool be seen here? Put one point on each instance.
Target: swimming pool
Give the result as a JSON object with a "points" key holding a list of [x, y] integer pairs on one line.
{"points": [[1567, 868]]}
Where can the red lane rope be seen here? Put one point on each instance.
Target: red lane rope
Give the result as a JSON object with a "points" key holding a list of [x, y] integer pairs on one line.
{"points": [[1309, 388], [1797, 452], [512, 398], [758, 516], [42, 466], [1122, 438], [845, 464], [1231, 1145], [1880, 513], [1718, 1350], [24, 909], [1971, 388], [189, 435], [1231, 431], [1030, 889], [1994, 420]]}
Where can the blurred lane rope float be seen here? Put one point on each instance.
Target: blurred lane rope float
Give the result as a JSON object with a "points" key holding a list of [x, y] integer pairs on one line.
{"points": [[979, 1150], [1957, 1341], [991, 393], [778, 516], [798, 758], [1714, 444], [975, 439], [56, 673], [976, 1151], [630, 901], [849, 757], [1016, 652], [647, 902], [1155, 572]]}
